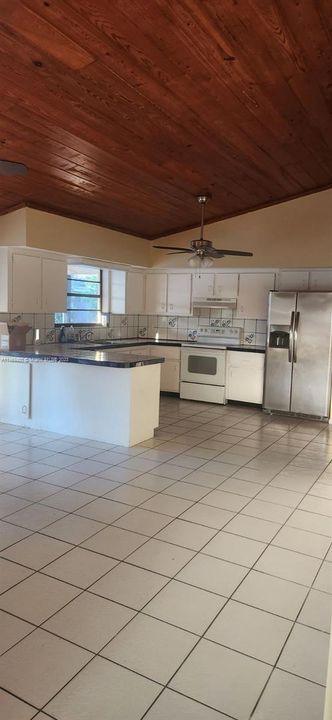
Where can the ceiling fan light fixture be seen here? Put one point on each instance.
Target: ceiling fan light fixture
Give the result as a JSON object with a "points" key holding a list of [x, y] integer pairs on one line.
{"points": [[197, 261]]}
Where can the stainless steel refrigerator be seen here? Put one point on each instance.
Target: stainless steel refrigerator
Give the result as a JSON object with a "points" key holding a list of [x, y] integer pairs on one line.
{"points": [[298, 356]]}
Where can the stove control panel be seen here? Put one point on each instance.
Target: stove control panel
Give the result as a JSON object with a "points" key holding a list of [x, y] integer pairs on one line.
{"points": [[223, 332]]}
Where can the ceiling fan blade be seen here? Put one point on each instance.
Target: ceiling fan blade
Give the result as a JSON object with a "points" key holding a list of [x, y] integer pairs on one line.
{"points": [[178, 252], [214, 252], [12, 168], [168, 247]]}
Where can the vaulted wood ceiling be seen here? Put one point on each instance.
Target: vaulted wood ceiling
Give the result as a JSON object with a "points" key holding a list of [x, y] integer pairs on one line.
{"points": [[123, 110]]}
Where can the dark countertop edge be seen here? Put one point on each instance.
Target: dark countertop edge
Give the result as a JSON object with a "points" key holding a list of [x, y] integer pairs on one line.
{"points": [[171, 343], [129, 362]]}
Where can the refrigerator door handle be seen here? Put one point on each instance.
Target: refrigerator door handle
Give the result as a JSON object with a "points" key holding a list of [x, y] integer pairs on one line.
{"points": [[291, 338], [296, 327]]}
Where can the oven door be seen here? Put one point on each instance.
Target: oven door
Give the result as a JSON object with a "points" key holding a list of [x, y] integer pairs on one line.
{"points": [[204, 366]]}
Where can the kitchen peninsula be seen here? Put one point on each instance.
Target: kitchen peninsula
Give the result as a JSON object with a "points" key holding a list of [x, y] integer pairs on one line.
{"points": [[100, 395]]}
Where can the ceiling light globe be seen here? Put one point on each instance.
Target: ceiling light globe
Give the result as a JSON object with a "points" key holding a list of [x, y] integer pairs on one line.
{"points": [[207, 262], [195, 261]]}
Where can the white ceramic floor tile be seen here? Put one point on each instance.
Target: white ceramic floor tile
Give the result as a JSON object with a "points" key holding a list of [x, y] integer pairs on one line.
{"points": [[11, 574], [80, 567], [119, 474], [35, 517], [187, 607], [272, 594], [225, 500], [267, 511], [302, 541], [153, 648], [287, 697], [14, 709], [129, 585], [104, 691], [288, 565], [143, 521], [161, 557], [95, 486], [212, 517], [101, 510], [167, 505], [187, 534], [35, 551], [10, 504], [324, 578], [186, 491], [306, 654], [234, 548], [68, 500], [241, 487], [73, 529], [35, 491], [9, 534], [317, 611], [310, 521], [250, 631], [64, 478], [115, 542], [37, 597], [212, 574], [148, 481], [129, 495], [12, 629], [279, 496], [322, 506], [205, 479], [253, 528], [39, 666], [89, 621], [212, 675], [173, 705]]}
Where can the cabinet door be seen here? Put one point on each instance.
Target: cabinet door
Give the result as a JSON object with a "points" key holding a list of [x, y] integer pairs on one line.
{"points": [[117, 289], [226, 285], [135, 293], [155, 294], [253, 295], [320, 280], [179, 294], [202, 285], [170, 376], [26, 284], [292, 280], [245, 376], [54, 285]]}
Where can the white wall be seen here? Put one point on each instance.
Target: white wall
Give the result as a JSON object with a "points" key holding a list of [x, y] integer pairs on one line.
{"points": [[13, 228]]}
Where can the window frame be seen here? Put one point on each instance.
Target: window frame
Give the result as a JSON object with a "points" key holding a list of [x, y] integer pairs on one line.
{"points": [[69, 294]]}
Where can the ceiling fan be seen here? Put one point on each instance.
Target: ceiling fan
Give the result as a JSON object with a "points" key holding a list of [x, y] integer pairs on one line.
{"points": [[202, 251], [7, 167]]}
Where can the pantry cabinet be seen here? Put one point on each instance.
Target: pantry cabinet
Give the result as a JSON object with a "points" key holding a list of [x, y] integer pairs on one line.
{"points": [[245, 376], [179, 294], [156, 294], [32, 283], [253, 295]]}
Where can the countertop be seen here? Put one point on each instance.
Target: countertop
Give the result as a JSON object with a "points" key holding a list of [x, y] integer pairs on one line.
{"points": [[67, 353], [101, 353]]}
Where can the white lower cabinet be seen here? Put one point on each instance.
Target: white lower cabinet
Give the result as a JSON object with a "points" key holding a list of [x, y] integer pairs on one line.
{"points": [[245, 376], [170, 369]]}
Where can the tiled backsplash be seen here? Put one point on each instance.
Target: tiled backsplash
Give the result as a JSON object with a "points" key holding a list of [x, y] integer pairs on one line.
{"points": [[131, 326]]}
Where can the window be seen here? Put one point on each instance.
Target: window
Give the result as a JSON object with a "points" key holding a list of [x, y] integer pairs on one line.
{"points": [[83, 296]]}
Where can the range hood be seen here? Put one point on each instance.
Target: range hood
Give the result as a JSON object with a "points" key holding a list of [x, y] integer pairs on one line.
{"points": [[214, 302]]}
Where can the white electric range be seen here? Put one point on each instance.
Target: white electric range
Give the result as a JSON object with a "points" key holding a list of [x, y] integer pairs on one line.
{"points": [[203, 364]]}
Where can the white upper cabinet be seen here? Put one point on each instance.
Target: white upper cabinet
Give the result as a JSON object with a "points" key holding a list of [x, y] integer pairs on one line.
{"points": [[156, 293], [54, 285], [135, 293], [226, 285], [292, 280], [26, 285], [179, 294], [203, 285], [222, 285], [320, 280], [32, 283], [253, 295], [123, 292]]}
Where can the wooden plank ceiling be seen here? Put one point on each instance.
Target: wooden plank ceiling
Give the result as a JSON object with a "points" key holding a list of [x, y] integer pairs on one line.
{"points": [[123, 110]]}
